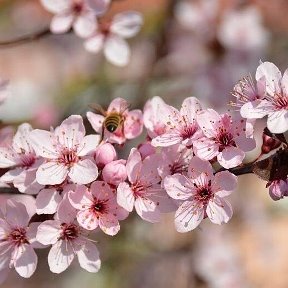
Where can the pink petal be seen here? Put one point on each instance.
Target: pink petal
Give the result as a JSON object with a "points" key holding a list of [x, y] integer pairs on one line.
{"points": [[147, 210], [198, 166], [4, 229], [245, 144], [133, 124], [26, 261], [8, 158], [149, 170], [47, 201], [80, 197], [83, 172], [284, 83], [205, 148], [119, 105], [167, 139], [48, 232], [61, 23], [71, 131], [224, 183], [31, 234], [51, 173], [178, 187], [109, 224], [88, 257], [190, 107], [127, 24], [278, 121], [117, 50], [98, 6], [188, 216], [125, 197], [87, 219], [96, 121], [44, 144], [133, 165], [209, 120], [219, 211], [66, 212], [88, 145], [16, 214], [60, 256], [272, 76], [256, 109], [56, 6], [94, 44], [21, 140], [85, 24], [230, 157]]}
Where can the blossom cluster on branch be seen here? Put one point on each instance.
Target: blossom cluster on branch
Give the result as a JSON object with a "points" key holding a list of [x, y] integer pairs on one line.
{"points": [[187, 165]]}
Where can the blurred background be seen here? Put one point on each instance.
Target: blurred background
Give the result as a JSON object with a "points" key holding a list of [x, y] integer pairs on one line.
{"points": [[186, 48]]}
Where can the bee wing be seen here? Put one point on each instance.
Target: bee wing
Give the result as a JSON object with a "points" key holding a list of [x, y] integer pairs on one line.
{"points": [[97, 108]]}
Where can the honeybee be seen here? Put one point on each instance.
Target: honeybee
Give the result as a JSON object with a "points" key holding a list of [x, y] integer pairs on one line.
{"points": [[114, 119]]}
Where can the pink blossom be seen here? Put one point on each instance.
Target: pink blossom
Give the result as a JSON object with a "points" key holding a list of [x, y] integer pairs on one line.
{"points": [[278, 189], [79, 14], [115, 172], [175, 159], [98, 207], [111, 37], [130, 126], [67, 240], [224, 138], [143, 190], [65, 151], [275, 102], [181, 126], [22, 160], [146, 149], [202, 195], [17, 240], [105, 154], [153, 116]]}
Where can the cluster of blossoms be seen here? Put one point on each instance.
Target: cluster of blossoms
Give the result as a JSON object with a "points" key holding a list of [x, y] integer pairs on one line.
{"points": [[79, 182], [83, 16]]}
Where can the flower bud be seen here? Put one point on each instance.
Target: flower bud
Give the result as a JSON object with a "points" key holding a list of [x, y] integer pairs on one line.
{"points": [[105, 154], [115, 172]]}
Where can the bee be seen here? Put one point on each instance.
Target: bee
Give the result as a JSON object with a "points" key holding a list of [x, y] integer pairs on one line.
{"points": [[113, 120]]}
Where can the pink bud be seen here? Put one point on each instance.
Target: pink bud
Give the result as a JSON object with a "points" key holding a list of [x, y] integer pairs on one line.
{"points": [[105, 154], [146, 149], [115, 172]]}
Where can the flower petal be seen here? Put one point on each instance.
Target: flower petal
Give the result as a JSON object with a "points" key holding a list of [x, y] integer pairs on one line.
{"points": [[85, 24], [224, 183], [61, 23], [178, 187], [278, 121], [219, 211], [48, 232], [94, 44], [147, 210], [230, 157], [56, 6], [125, 197], [83, 172], [47, 201]]}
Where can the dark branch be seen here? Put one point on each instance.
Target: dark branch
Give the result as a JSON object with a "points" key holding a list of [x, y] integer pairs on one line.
{"points": [[26, 38]]}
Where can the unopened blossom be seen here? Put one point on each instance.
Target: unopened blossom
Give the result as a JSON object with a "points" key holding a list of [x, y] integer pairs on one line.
{"points": [[97, 206], [115, 172], [77, 14], [224, 138], [22, 160], [278, 189], [3, 90], [105, 154], [143, 189], [275, 102], [65, 152], [111, 37], [202, 195], [175, 159], [67, 239], [18, 240], [117, 124], [153, 116], [181, 126]]}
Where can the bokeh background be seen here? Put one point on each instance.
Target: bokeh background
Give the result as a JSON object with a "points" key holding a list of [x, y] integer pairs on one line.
{"points": [[200, 48]]}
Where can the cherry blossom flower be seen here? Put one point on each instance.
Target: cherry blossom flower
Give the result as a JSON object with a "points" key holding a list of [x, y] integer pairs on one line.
{"points": [[175, 159], [130, 123], [98, 207], [3, 90], [111, 37], [143, 190], [275, 102], [65, 151], [105, 154], [67, 239], [153, 116], [22, 160], [181, 126], [18, 240], [115, 172], [224, 138], [79, 14], [202, 195]]}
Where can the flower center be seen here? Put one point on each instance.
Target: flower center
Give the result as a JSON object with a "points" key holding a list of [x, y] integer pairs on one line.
{"points": [[27, 160], [178, 167], [225, 139], [68, 157], [18, 236], [77, 7], [281, 102], [188, 131], [69, 231], [138, 189], [204, 194], [99, 207]]}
